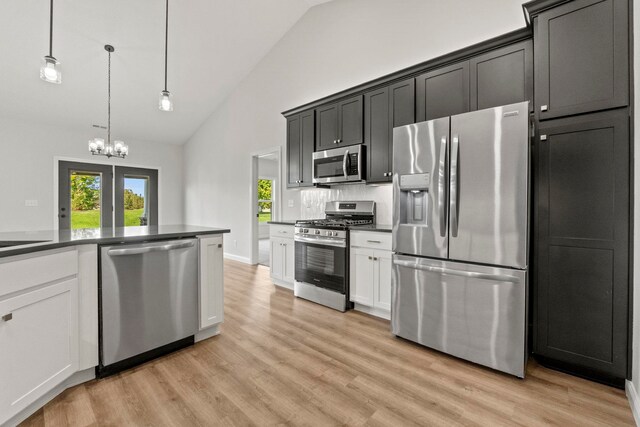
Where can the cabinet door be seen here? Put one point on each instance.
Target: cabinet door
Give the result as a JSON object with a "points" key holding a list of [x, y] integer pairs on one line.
{"points": [[581, 57], [443, 92], [350, 121], [503, 76], [39, 341], [277, 258], [327, 127], [211, 281], [361, 280], [376, 134], [307, 145], [288, 264], [382, 280], [293, 151], [582, 220]]}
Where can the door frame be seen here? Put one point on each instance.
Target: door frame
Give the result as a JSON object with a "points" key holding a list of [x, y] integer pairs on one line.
{"points": [[253, 196], [97, 161]]}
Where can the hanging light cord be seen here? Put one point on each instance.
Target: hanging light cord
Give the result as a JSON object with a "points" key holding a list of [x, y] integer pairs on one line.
{"points": [[166, 42], [109, 103], [51, 29]]}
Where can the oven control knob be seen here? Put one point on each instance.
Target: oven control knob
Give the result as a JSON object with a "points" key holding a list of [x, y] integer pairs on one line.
{"points": [[306, 230], [328, 233], [317, 231]]}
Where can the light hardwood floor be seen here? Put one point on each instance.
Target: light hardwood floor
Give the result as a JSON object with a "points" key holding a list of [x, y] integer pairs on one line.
{"points": [[281, 360]]}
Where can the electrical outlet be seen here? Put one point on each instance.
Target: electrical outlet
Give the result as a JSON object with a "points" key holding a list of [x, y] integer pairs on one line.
{"points": [[290, 204], [31, 202]]}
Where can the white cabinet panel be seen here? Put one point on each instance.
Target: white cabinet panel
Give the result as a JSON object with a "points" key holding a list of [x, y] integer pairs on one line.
{"points": [[282, 258], [382, 280], [288, 249], [211, 281], [361, 281], [39, 344], [24, 271], [371, 239], [277, 259]]}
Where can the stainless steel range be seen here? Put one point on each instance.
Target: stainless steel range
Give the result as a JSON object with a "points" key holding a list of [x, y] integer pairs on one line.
{"points": [[322, 255]]}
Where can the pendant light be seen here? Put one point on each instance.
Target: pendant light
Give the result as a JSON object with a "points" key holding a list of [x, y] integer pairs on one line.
{"points": [[50, 69], [166, 99], [98, 146]]}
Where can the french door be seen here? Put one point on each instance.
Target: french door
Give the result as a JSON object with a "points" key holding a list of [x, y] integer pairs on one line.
{"points": [[97, 196]]}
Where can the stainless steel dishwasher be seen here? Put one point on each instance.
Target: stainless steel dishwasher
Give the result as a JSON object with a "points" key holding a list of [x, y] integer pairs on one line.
{"points": [[148, 301]]}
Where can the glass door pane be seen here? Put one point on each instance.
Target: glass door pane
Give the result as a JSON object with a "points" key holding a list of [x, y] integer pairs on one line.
{"points": [[265, 200], [84, 195], [136, 196]]}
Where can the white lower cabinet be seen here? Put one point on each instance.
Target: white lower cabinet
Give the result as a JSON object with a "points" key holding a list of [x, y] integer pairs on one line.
{"points": [[282, 255], [370, 273], [211, 281], [38, 332]]}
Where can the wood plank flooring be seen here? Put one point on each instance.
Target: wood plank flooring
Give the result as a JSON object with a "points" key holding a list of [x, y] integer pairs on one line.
{"points": [[281, 360]]}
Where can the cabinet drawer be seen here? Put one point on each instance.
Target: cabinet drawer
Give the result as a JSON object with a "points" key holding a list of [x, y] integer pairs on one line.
{"points": [[285, 231], [371, 239], [22, 272]]}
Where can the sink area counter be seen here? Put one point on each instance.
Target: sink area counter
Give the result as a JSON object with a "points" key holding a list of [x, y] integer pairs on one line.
{"points": [[22, 242]]}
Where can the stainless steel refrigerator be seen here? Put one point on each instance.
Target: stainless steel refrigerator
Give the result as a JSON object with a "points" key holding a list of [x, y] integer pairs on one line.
{"points": [[460, 235]]}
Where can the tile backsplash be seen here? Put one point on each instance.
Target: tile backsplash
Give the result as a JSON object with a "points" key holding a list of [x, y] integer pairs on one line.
{"points": [[312, 200]]}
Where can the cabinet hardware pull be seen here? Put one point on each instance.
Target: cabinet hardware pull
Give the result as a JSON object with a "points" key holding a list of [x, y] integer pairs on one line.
{"points": [[219, 245], [375, 258], [339, 141], [335, 141], [543, 137], [283, 232], [370, 258], [374, 241], [7, 317], [544, 108]]}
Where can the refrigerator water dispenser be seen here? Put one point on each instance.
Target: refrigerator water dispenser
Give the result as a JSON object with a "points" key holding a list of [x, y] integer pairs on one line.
{"points": [[414, 198]]}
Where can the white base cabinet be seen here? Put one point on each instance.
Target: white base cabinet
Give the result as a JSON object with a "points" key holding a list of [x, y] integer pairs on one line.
{"points": [[282, 255], [211, 281], [370, 272], [39, 329]]}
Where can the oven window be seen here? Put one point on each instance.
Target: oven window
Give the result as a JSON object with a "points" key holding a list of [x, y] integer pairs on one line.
{"points": [[329, 167], [320, 265]]}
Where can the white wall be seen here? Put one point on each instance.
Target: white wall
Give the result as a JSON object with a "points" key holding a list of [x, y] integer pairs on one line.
{"points": [[334, 46], [27, 171]]}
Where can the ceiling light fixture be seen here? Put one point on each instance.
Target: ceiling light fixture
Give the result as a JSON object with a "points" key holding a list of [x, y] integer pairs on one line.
{"points": [[97, 146], [50, 69], [166, 99]]}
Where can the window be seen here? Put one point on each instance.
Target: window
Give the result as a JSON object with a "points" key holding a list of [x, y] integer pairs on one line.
{"points": [[265, 200]]}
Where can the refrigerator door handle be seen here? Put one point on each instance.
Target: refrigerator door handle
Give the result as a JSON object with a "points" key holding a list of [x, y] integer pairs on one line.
{"points": [[470, 274], [453, 192], [441, 186]]}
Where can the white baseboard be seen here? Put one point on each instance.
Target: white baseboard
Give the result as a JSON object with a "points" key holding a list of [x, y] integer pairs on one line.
{"points": [[237, 258], [207, 333], [73, 380], [282, 284], [634, 401], [384, 314]]}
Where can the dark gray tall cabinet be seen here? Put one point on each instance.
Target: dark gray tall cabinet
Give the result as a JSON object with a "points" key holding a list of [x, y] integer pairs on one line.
{"points": [[300, 146], [581, 281]]}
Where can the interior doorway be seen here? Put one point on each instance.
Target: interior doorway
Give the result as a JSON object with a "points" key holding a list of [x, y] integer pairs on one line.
{"points": [[95, 195], [265, 201]]}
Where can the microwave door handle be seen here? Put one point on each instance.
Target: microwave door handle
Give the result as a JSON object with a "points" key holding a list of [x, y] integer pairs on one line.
{"points": [[344, 164], [453, 190], [442, 182]]}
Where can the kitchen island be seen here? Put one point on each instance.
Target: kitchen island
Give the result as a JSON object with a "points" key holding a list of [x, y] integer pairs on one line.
{"points": [[50, 304]]}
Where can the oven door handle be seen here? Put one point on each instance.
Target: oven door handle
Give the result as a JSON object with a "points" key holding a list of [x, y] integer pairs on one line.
{"points": [[322, 241]]}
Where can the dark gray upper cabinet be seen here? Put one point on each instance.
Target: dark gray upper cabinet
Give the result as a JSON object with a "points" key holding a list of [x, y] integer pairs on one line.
{"points": [[502, 76], [443, 92], [384, 109], [300, 145], [339, 124], [581, 57], [293, 150], [581, 281]]}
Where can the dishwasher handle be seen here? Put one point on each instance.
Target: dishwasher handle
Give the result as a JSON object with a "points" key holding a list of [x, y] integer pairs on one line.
{"points": [[148, 249]]}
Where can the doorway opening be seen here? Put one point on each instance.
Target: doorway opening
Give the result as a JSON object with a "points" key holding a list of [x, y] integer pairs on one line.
{"points": [[98, 195], [265, 201]]}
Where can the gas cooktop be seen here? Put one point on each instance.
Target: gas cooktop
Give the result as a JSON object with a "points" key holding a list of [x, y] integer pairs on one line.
{"points": [[341, 224]]}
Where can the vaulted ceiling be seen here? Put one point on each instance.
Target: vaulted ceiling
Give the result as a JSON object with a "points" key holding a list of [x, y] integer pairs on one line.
{"points": [[213, 45]]}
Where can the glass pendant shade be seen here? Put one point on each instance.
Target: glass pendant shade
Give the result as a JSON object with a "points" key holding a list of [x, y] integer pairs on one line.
{"points": [[166, 101], [50, 70]]}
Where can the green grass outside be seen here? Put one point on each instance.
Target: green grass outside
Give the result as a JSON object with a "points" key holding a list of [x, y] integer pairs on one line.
{"points": [[91, 219], [264, 217]]}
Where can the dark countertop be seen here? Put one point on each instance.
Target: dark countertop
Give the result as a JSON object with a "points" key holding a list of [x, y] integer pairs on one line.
{"points": [[22, 242], [283, 222], [382, 228]]}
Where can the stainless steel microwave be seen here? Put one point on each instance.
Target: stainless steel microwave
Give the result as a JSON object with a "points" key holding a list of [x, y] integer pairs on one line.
{"points": [[339, 165]]}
